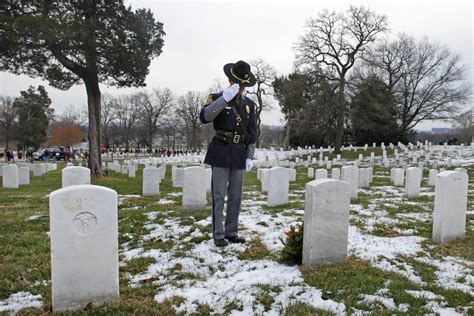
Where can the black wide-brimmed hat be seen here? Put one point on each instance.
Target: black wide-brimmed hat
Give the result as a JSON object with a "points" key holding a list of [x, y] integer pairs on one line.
{"points": [[240, 73]]}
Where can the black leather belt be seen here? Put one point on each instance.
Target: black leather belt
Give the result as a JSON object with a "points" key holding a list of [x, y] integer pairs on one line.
{"points": [[230, 137]]}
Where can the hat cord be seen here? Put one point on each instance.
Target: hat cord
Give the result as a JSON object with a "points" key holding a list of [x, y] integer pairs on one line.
{"points": [[242, 80]]}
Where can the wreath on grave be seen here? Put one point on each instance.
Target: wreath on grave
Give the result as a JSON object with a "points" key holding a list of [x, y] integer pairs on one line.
{"points": [[292, 251]]}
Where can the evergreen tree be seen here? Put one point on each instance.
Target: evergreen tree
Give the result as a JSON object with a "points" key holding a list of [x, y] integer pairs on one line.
{"points": [[72, 42], [34, 115], [373, 113]]}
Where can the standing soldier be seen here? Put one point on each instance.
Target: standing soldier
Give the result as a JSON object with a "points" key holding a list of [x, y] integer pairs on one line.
{"points": [[231, 150]]}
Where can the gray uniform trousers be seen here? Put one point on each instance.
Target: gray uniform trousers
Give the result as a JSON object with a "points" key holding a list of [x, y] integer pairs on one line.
{"points": [[224, 181]]}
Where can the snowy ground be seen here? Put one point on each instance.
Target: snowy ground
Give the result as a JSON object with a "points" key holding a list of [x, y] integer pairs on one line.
{"points": [[218, 278], [386, 230]]}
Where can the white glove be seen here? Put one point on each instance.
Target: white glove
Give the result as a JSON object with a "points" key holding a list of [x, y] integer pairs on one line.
{"points": [[230, 92], [248, 164]]}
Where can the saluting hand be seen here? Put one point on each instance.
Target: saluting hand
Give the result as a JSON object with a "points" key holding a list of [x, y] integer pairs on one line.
{"points": [[230, 92]]}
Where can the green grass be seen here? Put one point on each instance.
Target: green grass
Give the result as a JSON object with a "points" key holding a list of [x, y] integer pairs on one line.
{"points": [[348, 281], [25, 253], [303, 309], [256, 250]]}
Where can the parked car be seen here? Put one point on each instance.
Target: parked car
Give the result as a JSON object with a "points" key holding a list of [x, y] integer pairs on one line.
{"points": [[38, 155], [57, 153], [54, 153]]}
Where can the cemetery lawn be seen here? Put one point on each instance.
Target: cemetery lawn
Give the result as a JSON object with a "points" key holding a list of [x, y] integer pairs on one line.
{"points": [[169, 265]]}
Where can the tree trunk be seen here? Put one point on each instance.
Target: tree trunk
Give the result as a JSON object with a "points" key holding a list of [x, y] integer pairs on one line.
{"points": [[174, 139], [7, 138], [93, 104], [340, 118], [194, 138], [150, 140], [286, 142]]}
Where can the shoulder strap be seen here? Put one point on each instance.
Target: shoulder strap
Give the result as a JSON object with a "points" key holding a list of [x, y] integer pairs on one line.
{"points": [[239, 118]]}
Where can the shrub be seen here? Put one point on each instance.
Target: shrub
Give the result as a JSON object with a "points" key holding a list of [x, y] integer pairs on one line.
{"points": [[292, 251]]}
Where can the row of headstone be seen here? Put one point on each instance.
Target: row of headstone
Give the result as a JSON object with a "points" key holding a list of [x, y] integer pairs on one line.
{"points": [[14, 175], [195, 181], [411, 179], [327, 204]]}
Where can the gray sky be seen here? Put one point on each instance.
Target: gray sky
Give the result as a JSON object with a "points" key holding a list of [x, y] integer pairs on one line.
{"points": [[201, 36]]}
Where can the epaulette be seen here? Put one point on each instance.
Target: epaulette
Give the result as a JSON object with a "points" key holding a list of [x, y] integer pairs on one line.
{"points": [[211, 97]]}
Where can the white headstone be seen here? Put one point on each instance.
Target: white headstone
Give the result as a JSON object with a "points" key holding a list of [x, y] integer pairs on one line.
{"points": [[37, 170], [178, 178], [449, 162], [351, 174], [75, 176], [336, 174], [124, 169], [413, 182], [265, 179], [194, 188], [151, 181], [449, 218], [398, 177], [162, 171], [132, 171], [10, 176], [328, 165], [311, 172], [461, 169], [432, 177], [364, 178], [321, 174], [44, 168], [292, 174], [84, 247], [23, 175], [326, 222], [278, 186]]}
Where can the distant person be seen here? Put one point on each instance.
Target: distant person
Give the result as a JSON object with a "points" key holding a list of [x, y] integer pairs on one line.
{"points": [[10, 156], [29, 155], [46, 155]]}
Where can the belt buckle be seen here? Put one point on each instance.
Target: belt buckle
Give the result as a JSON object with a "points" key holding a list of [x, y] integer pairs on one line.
{"points": [[236, 139]]}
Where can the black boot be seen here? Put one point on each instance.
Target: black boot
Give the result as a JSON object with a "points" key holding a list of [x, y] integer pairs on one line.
{"points": [[220, 242], [236, 240]]}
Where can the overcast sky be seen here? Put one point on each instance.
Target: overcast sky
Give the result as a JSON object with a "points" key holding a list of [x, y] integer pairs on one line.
{"points": [[201, 36]]}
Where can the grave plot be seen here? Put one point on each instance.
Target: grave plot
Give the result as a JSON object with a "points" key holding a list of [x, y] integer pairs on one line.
{"points": [[168, 262]]}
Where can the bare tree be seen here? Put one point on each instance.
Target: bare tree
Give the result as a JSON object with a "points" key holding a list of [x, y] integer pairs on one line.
{"points": [[72, 116], [333, 42], [265, 75], [217, 86], [188, 109], [8, 116], [108, 115], [154, 107], [464, 124], [128, 114], [427, 80], [386, 60], [171, 124]]}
